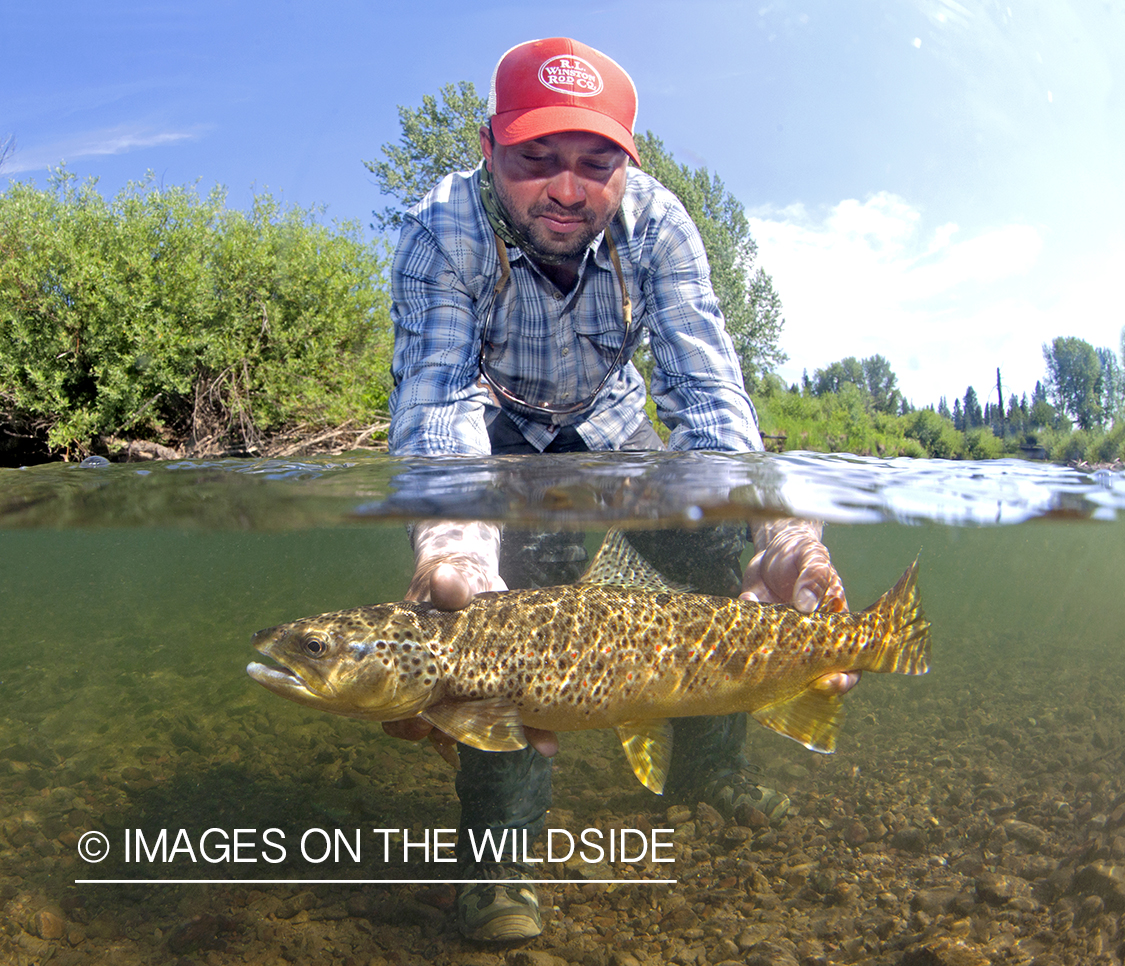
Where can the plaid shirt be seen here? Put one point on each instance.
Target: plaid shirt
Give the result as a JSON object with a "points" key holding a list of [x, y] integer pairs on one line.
{"points": [[443, 281]]}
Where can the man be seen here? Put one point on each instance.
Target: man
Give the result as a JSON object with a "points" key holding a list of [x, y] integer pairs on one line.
{"points": [[521, 291]]}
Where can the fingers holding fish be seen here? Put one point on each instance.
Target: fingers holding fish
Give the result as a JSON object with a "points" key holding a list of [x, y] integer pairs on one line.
{"points": [[792, 566], [544, 742], [839, 682], [450, 581]]}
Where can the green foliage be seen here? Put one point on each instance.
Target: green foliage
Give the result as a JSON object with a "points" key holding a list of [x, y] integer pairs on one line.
{"points": [[168, 317], [1076, 382], [435, 140], [842, 421], [872, 377], [751, 306], [935, 433], [831, 422], [982, 444]]}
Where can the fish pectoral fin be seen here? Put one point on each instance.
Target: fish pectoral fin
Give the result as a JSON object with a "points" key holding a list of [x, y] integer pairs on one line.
{"points": [[446, 747], [648, 746], [490, 724], [812, 717]]}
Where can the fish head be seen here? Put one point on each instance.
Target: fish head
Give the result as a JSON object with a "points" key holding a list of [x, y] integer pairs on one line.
{"points": [[371, 662]]}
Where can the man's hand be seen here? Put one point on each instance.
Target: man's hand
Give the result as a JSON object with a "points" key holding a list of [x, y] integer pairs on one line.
{"points": [[792, 566], [449, 582]]}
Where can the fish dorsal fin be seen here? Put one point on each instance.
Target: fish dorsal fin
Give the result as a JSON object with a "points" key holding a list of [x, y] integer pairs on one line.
{"points": [[490, 724], [812, 717], [618, 564], [648, 746]]}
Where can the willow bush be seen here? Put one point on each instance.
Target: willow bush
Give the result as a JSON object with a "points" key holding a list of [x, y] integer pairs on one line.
{"points": [[167, 316]]}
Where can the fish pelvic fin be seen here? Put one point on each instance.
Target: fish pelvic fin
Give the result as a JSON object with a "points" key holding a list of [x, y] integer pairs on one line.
{"points": [[905, 633], [618, 564], [812, 717], [490, 724], [446, 747], [648, 746]]}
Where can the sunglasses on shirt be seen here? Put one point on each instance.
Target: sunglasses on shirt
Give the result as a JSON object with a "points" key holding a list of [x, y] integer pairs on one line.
{"points": [[496, 381]]}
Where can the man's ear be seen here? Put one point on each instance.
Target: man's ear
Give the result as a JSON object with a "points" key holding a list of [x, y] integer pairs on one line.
{"points": [[486, 143]]}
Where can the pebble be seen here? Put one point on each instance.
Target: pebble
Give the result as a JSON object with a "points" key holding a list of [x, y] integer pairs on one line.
{"points": [[49, 925], [910, 839]]}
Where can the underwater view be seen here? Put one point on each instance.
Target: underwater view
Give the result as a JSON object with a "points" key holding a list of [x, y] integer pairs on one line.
{"points": [[158, 806]]}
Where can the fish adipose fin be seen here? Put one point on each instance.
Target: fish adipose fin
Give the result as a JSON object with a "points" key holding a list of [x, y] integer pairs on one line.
{"points": [[491, 724], [812, 717], [648, 746], [617, 564]]}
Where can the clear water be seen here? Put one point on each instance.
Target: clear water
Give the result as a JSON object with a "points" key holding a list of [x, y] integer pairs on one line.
{"points": [[129, 594]]}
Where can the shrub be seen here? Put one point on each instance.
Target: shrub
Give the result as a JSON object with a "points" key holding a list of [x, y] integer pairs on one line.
{"points": [[167, 316]]}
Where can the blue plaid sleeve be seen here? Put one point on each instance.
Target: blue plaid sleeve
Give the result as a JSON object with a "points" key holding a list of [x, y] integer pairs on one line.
{"points": [[437, 405]]}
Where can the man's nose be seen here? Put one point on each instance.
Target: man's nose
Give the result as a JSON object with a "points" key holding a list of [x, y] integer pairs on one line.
{"points": [[567, 189]]}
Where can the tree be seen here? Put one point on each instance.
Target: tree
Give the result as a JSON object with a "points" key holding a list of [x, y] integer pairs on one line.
{"points": [[872, 376], [7, 146], [438, 138], [882, 384], [1074, 380], [973, 414], [1112, 384], [435, 140], [750, 304], [836, 375]]}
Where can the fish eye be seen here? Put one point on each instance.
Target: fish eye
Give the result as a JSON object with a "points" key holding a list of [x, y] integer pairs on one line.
{"points": [[314, 646]]}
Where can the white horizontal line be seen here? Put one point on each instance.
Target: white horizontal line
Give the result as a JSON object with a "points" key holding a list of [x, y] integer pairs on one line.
{"points": [[368, 881]]}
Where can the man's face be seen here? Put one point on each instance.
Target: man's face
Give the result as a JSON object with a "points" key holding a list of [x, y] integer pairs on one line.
{"points": [[560, 190]]}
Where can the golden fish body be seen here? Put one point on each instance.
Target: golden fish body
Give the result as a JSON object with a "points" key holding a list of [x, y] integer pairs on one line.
{"points": [[619, 649]]}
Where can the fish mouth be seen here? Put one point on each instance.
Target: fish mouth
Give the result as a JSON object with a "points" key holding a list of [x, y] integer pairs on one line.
{"points": [[276, 677]]}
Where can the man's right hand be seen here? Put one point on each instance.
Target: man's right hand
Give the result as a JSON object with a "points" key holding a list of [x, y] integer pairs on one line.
{"points": [[449, 583], [446, 582]]}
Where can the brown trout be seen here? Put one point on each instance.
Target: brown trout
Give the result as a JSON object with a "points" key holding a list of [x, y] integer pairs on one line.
{"points": [[621, 648]]}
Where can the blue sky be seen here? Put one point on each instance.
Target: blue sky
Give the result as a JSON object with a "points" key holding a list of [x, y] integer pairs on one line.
{"points": [[939, 182]]}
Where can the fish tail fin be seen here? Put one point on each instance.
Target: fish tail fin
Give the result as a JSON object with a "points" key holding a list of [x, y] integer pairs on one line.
{"points": [[904, 632]]}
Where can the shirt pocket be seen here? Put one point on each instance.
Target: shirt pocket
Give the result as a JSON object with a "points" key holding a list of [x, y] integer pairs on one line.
{"points": [[605, 332]]}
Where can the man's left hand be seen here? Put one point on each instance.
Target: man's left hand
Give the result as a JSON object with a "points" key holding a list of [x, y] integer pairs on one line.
{"points": [[792, 566]]}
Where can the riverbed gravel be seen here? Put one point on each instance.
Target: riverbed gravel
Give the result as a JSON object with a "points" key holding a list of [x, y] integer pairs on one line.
{"points": [[972, 816]]}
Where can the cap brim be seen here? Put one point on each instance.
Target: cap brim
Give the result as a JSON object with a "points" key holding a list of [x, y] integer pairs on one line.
{"points": [[514, 127]]}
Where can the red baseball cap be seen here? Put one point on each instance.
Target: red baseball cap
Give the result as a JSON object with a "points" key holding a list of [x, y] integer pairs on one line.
{"points": [[547, 86]]}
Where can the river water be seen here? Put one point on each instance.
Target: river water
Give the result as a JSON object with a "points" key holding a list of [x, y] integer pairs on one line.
{"points": [[978, 811]]}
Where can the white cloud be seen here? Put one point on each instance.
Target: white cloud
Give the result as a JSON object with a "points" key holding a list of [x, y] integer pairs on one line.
{"points": [[116, 140], [945, 308]]}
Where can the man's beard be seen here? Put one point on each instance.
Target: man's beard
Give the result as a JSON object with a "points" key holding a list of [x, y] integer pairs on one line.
{"points": [[538, 243]]}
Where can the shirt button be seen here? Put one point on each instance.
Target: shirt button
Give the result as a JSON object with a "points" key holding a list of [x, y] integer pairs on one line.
{"points": [[559, 296], [566, 351]]}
